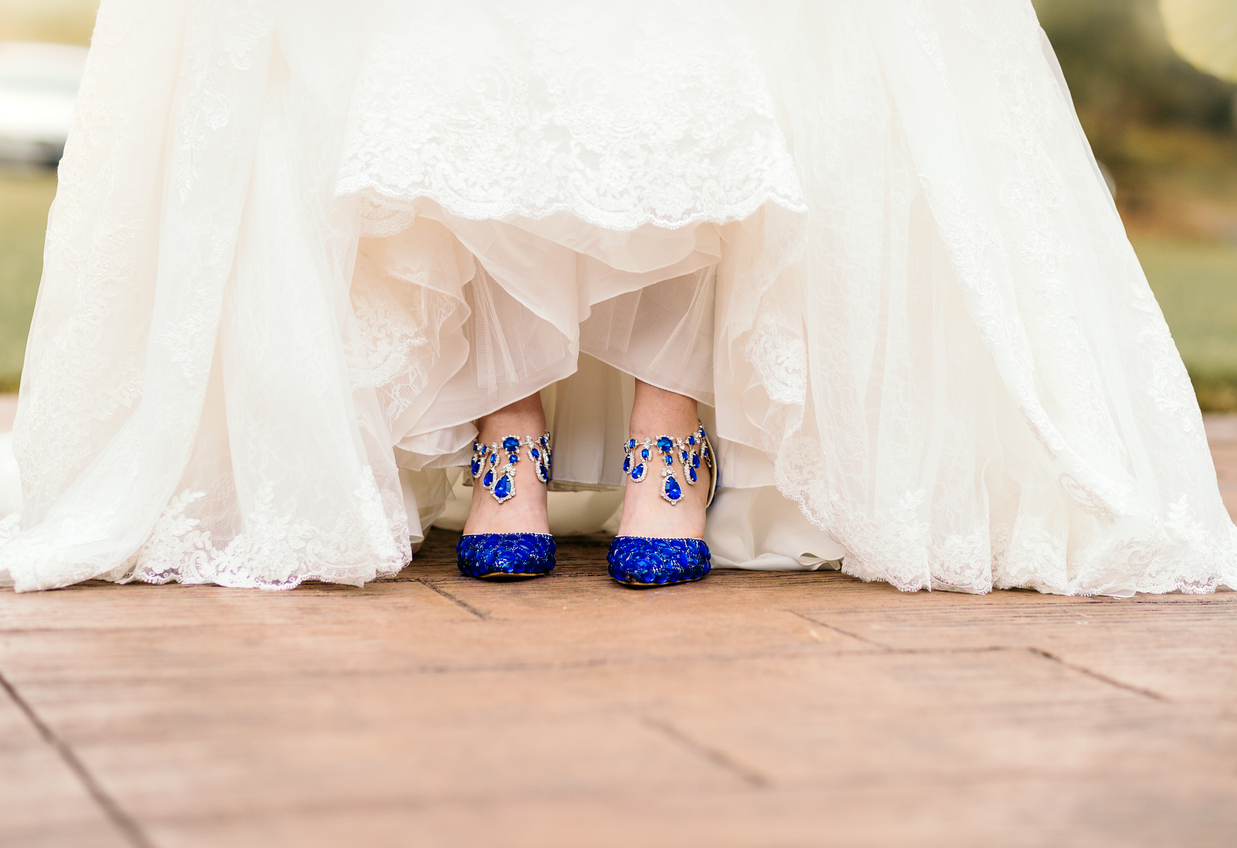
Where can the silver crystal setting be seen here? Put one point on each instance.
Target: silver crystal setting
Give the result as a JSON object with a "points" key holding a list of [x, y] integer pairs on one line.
{"points": [[688, 452], [493, 465]]}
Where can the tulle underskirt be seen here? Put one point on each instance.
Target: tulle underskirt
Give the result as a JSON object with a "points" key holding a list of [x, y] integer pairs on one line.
{"points": [[564, 307]]}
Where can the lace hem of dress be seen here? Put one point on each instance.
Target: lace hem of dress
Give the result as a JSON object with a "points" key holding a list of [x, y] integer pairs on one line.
{"points": [[274, 552], [1177, 554]]}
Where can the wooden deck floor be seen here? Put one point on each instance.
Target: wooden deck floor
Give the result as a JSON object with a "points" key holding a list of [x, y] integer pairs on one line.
{"points": [[749, 710]]}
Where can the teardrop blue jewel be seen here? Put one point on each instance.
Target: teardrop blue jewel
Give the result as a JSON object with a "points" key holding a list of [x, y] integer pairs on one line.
{"points": [[637, 473], [692, 476], [475, 468], [488, 479], [627, 464], [671, 490], [504, 488]]}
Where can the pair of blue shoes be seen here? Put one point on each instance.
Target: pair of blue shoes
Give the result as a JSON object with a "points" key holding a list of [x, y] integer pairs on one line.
{"points": [[635, 561]]}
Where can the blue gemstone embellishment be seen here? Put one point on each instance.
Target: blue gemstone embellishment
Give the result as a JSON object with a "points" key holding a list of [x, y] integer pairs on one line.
{"points": [[499, 477], [636, 561], [503, 488], [673, 492], [497, 555], [691, 452]]}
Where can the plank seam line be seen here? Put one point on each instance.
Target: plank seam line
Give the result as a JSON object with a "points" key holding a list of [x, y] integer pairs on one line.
{"points": [[717, 757], [459, 602], [125, 823], [837, 629], [1103, 678]]}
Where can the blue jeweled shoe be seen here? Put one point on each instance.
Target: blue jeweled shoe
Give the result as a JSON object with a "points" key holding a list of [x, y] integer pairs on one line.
{"points": [[507, 556], [644, 562], [637, 561]]}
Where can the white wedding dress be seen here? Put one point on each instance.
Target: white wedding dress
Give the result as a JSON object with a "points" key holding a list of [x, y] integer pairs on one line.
{"points": [[300, 246]]}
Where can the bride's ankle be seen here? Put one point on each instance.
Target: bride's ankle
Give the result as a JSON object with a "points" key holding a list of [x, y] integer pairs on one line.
{"points": [[668, 479], [510, 467]]}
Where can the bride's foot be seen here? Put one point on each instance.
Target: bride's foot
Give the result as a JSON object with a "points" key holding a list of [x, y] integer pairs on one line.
{"points": [[526, 512], [646, 513], [507, 534], [669, 475]]}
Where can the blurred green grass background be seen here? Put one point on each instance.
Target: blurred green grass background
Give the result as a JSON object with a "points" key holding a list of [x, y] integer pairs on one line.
{"points": [[1196, 285], [1166, 132], [24, 201]]}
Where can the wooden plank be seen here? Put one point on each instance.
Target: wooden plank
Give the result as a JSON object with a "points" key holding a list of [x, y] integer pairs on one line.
{"points": [[1017, 814], [109, 606], [42, 802], [1180, 647], [230, 750]]}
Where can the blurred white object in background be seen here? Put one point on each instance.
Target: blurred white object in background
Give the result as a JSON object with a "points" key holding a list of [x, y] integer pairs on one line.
{"points": [[38, 87], [1205, 33]]}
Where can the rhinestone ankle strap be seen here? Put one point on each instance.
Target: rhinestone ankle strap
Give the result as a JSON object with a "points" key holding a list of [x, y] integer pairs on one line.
{"points": [[499, 480], [689, 452]]}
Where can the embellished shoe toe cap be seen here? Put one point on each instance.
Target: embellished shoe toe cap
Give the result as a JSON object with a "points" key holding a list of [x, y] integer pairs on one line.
{"points": [[505, 555], [639, 561]]}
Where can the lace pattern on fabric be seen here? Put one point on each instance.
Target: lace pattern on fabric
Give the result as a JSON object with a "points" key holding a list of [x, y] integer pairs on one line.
{"points": [[524, 120]]}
